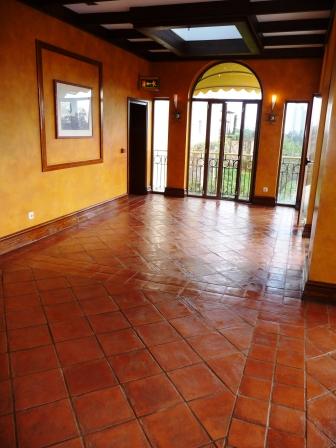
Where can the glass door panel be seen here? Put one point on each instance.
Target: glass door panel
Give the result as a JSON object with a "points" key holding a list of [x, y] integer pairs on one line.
{"points": [[198, 133], [310, 157], [215, 139], [291, 153], [231, 149], [160, 145], [247, 151]]}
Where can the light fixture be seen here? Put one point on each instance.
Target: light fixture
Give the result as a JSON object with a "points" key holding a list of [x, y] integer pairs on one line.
{"points": [[177, 112], [272, 116]]}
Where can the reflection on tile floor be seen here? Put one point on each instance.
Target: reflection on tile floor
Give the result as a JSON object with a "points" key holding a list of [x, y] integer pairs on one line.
{"points": [[169, 323]]}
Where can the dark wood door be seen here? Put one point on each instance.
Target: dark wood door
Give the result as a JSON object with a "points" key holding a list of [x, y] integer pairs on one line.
{"points": [[137, 147]]}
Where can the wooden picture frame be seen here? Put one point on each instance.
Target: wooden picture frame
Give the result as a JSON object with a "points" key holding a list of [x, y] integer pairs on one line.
{"points": [[73, 110], [94, 133]]}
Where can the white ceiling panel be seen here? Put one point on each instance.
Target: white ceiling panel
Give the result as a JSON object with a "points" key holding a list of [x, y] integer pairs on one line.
{"points": [[293, 16]]}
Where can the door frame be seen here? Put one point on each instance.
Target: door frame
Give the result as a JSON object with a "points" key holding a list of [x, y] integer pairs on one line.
{"points": [[255, 149], [142, 102], [303, 154], [152, 140]]}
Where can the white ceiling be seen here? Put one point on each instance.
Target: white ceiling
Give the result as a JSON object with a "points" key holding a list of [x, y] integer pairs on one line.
{"points": [[124, 5]]}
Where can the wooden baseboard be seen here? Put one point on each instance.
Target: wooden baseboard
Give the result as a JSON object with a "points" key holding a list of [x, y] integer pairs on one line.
{"points": [[266, 201], [319, 291], [27, 236], [306, 232], [175, 192]]}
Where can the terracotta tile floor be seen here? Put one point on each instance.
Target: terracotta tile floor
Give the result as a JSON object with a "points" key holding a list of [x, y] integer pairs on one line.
{"points": [[166, 323]]}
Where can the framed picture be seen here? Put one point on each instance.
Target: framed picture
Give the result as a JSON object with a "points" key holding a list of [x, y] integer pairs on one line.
{"points": [[70, 93], [73, 110]]}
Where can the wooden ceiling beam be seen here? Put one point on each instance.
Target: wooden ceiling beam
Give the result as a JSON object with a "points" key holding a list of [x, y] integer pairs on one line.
{"points": [[305, 39], [293, 25]]}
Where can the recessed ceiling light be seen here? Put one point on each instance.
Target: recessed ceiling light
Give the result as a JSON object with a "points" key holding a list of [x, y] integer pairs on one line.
{"points": [[118, 26], [140, 39], [159, 50]]}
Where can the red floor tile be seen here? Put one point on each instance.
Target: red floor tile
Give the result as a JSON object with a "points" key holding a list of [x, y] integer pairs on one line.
{"points": [[259, 369], [151, 394], [129, 299], [98, 306], [211, 346], [52, 283], [89, 292], [196, 381], [323, 370], [141, 315], [76, 328], [63, 312], [107, 322], [78, 350], [289, 376], [214, 413], [7, 431], [287, 420], [45, 425], [173, 309], [29, 337], [315, 438], [262, 353], [120, 342], [4, 366], [190, 326], [93, 375], [175, 355], [321, 412], [157, 333], [34, 360], [229, 369], [251, 410], [134, 365], [19, 288], [122, 436], [255, 388], [246, 435], [6, 402], [39, 388], [288, 396], [55, 296], [102, 408], [26, 317], [278, 439], [16, 303], [175, 427]]}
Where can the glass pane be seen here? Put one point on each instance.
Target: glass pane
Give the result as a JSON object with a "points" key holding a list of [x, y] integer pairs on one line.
{"points": [[231, 149], [292, 145], [197, 146], [314, 125], [214, 148], [249, 134], [160, 144]]}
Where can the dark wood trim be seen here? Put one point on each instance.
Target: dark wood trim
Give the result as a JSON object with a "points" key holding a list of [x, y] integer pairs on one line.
{"points": [[266, 201], [32, 234], [319, 291], [175, 192], [305, 39], [293, 25], [40, 46], [306, 232]]}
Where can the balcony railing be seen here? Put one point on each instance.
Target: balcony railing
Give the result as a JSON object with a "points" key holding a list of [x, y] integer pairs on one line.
{"points": [[159, 170], [229, 176], [288, 180]]}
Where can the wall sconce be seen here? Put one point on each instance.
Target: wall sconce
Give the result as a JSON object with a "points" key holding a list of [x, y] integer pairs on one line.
{"points": [[272, 116], [177, 113]]}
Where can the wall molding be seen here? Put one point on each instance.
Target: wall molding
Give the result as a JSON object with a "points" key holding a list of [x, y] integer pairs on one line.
{"points": [[266, 201], [32, 234], [306, 232], [319, 291], [175, 192]]}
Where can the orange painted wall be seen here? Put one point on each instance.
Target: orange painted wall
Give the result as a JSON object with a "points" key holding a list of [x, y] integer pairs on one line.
{"points": [[23, 185], [290, 79]]}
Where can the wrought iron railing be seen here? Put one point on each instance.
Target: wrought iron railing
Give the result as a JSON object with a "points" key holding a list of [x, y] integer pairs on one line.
{"points": [[288, 180], [229, 175], [159, 170]]}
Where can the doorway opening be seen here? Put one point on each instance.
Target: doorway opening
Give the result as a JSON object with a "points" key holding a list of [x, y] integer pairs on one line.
{"points": [[160, 144], [137, 146], [292, 152], [225, 114]]}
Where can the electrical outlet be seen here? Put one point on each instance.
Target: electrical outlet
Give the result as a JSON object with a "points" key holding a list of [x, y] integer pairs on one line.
{"points": [[31, 215], [265, 189]]}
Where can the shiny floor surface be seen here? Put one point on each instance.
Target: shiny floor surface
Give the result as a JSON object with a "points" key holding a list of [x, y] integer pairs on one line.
{"points": [[169, 323]]}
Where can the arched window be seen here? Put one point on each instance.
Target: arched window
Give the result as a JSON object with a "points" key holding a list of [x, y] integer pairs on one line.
{"points": [[225, 108]]}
